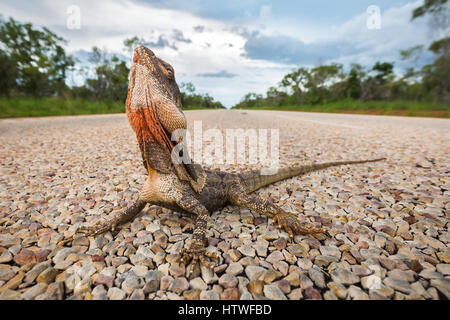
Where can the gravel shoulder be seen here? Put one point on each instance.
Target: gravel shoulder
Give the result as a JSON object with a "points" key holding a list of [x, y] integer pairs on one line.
{"points": [[388, 220]]}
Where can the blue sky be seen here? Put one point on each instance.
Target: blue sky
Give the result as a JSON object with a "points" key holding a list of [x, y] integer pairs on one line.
{"points": [[229, 48], [323, 11]]}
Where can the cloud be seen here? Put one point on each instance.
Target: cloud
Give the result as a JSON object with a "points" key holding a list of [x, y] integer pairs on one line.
{"points": [[178, 36], [220, 74], [349, 42], [397, 33], [288, 50], [199, 29], [162, 42], [83, 56], [244, 31]]}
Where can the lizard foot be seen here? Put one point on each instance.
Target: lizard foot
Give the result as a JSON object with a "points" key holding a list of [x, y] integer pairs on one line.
{"points": [[97, 230], [186, 225], [293, 226], [196, 254], [91, 231]]}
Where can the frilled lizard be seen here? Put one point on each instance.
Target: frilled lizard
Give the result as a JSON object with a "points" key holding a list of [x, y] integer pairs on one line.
{"points": [[154, 111]]}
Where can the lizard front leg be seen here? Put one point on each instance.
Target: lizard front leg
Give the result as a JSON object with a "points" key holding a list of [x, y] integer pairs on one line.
{"points": [[120, 219], [197, 251], [286, 221], [129, 214], [123, 217]]}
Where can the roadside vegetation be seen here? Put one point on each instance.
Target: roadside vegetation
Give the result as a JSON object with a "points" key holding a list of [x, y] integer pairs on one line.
{"points": [[376, 90], [387, 108], [35, 70]]}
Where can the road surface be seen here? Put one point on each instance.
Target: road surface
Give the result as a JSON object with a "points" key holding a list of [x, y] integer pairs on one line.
{"points": [[388, 220]]}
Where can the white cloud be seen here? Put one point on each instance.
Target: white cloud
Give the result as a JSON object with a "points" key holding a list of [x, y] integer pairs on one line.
{"points": [[349, 42], [397, 33]]}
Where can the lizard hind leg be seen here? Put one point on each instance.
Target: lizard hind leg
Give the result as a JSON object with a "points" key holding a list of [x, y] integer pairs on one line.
{"points": [[287, 221], [293, 226]]}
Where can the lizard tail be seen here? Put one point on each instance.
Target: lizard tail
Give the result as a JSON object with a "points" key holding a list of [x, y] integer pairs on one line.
{"points": [[253, 180]]}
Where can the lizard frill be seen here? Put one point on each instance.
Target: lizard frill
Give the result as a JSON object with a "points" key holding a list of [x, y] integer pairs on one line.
{"points": [[153, 117]]}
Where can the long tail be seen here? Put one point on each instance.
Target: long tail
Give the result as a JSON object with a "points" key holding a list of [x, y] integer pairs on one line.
{"points": [[253, 180]]}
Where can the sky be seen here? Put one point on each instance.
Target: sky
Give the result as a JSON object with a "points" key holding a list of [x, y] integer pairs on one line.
{"points": [[229, 48]]}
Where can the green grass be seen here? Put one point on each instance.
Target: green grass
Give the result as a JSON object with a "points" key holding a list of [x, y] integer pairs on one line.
{"points": [[32, 107], [195, 108], [397, 107]]}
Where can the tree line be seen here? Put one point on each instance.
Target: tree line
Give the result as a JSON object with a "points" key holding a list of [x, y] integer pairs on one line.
{"points": [[34, 63], [332, 82]]}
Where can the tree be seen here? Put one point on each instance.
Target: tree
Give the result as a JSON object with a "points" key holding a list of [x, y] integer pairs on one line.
{"points": [[354, 79], [187, 87], [378, 86], [436, 76], [437, 8], [412, 54], [412, 76], [295, 81], [441, 47], [439, 12], [383, 70], [110, 80], [320, 78], [36, 58], [321, 74], [275, 96], [132, 43], [8, 70], [250, 100], [189, 98]]}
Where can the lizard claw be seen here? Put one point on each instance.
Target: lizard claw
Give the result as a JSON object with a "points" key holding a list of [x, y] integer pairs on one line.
{"points": [[293, 226], [196, 254], [96, 230], [90, 231]]}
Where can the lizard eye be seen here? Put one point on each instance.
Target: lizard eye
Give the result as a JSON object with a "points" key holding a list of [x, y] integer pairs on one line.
{"points": [[167, 69], [170, 73]]}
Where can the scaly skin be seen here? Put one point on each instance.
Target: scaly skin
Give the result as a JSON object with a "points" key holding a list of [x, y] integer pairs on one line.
{"points": [[221, 189], [153, 108]]}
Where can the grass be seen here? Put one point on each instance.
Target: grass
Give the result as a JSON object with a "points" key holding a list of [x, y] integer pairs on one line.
{"points": [[395, 108], [33, 107]]}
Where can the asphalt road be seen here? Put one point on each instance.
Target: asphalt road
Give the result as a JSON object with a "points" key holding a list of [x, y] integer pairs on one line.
{"points": [[388, 220]]}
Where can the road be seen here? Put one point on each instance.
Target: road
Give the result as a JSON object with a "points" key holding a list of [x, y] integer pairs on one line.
{"points": [[388, 220]]}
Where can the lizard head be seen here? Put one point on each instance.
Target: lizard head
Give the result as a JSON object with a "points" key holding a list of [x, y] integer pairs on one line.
{"points": [[159, 75], [154, 110]]}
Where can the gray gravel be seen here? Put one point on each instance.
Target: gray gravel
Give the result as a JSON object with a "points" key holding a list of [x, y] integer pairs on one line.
{"points": [[388, 220]]}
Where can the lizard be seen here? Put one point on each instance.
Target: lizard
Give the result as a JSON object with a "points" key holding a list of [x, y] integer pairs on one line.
{"points": [[154, 111]]}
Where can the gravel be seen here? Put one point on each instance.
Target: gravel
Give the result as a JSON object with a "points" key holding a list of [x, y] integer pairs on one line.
{"points": [[388, 220]]}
